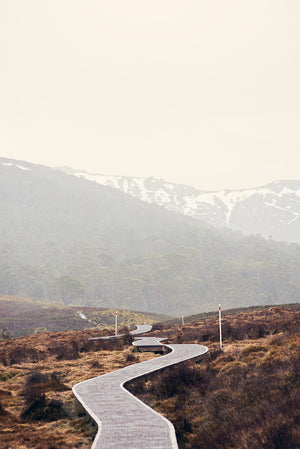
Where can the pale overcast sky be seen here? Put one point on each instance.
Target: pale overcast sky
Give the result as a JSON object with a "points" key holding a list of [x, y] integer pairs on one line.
{"points": [[197, 92]]}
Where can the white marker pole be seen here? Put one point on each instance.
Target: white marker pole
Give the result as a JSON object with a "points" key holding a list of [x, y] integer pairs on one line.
{"points": [[182, 320], [116, 325], [220, 327]]}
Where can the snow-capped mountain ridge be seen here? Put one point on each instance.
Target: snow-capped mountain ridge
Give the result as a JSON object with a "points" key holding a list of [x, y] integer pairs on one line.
{"points": [[270, 210]]}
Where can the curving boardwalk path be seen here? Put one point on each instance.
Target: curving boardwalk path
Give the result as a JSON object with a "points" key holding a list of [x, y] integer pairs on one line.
{"points": [[123, 420], [140, 329]]}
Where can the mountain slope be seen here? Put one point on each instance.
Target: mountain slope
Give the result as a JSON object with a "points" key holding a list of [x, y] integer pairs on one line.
{"points": [[22, 316], [272, 210], [48, 205], [69, 240]]}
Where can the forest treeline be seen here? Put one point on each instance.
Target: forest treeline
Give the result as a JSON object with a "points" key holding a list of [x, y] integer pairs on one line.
{"points": [[72, 241]]}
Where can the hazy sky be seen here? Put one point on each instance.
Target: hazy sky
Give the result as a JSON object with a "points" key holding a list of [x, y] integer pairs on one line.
{"points": [[200, 92]]}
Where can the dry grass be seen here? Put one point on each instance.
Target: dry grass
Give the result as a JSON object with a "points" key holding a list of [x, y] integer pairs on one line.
{"points": [[245, 397], [58, 377]]}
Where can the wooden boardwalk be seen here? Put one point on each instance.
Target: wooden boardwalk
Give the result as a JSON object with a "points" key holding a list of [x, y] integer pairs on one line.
{"points": [[140, 329], [123, 420]]}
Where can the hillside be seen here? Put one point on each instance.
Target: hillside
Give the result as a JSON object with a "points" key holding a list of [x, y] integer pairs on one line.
{"points": [[246, 396], [69, 240], [272, 210], [248, 392], [22, 316]]}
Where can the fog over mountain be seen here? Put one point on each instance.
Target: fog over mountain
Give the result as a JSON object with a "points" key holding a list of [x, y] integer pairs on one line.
{"points": [[272, 210], [66, 239]]}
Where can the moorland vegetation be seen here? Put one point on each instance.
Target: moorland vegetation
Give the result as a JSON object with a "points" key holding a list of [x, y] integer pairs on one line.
{"points": [[245, 396], [23, 316], [37, 373], [242, 397]]}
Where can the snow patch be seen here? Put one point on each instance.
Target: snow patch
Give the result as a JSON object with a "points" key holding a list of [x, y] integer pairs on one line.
{"points": [[295, 218], [9, 164], [191, 202], [143, 194], [287, 191], [23, 168], [162, 196]]}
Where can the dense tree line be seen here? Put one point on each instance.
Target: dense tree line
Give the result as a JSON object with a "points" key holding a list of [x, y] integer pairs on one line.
{"points": [[161, 283]]}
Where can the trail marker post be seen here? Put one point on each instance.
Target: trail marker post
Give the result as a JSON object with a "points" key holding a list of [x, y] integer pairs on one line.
{"points": [[182, 320], [116, 325], [220, 327]]}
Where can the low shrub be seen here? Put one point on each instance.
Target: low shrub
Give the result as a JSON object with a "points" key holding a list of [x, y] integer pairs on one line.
{"points": [[67, 351], [21, 354], [131, 357], [37, 407], [253, 348], [37, 384], [173, 380], [42, 409], [94, 364], [6, 375]]}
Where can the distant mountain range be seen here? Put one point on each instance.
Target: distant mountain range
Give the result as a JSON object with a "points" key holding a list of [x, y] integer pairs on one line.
{"points": [[273, 210], [66, 239]]}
